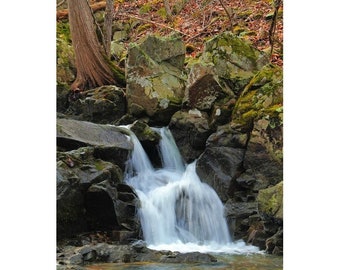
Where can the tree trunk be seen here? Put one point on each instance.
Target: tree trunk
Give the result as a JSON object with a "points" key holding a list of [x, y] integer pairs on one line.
{"points": [[108, 27], [167, 10], [93, 69]]}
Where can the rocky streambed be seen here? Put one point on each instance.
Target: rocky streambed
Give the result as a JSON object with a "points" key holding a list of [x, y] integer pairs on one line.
{"points": [[224, 109]]}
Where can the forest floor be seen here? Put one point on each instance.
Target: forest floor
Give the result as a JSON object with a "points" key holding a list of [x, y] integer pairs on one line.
{"points": [[199, 20]]}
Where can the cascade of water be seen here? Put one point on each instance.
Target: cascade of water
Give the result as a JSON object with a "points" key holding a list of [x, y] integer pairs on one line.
{"points": [[178, 211]]}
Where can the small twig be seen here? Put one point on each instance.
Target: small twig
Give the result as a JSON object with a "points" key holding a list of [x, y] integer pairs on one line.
{"points": [[60, 3], [229, 16], [272, 29], [202, 31], [155, 23]]}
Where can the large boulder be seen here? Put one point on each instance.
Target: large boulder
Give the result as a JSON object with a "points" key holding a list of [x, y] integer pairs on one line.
{"points": [[234, 60], [155, 77], [259, 111], [91, 160], [262, 98], [222, 160], [91, 195], [109, 142], [225, 67]]}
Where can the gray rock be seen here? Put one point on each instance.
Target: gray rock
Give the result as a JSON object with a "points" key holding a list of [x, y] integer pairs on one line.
{"points": [[155, 77], [86, 133], [190, 130], [104, 104]]}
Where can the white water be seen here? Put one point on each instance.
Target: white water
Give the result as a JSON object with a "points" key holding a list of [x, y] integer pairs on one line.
{"points": [[178, 212]]}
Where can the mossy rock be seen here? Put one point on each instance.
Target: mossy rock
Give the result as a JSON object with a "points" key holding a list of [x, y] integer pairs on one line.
{"points": [[234, 59], [270, 201], [155, 77], [144, 132], [261, 98]]}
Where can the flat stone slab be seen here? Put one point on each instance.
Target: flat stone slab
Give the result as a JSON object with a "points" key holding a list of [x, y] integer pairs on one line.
{"points": [[92, 134]]}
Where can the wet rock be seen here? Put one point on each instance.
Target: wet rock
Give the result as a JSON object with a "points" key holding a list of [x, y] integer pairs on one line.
{"points": [[190, 130], [192, 257], [222, 161]]}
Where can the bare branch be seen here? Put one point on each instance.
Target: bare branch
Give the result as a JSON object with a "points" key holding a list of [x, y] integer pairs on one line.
{"points": [[60, 3], [229, 16], [272, 29], [155, 23]]}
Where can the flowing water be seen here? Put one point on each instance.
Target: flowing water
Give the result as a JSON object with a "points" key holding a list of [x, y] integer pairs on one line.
{"points": [[178, 212]]}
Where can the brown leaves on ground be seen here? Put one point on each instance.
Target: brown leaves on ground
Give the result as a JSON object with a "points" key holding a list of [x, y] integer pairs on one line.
{"points": [[198, 20]]}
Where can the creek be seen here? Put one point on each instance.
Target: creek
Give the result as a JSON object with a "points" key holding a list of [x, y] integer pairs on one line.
{"points": [[224, 261], [182, 214]]}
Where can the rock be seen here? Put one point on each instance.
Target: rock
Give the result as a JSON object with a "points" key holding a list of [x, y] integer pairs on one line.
{"points": [[91, 195], [274, 244], [217, 77], [222, 161], [234, 61], [155, 80], [70, 210], [144, 133], [76, 259], [270, 207], [149, 140], [237, 214], [261, 99], [104, 104], [191, 257], [190, 130], [271, 201], [72, 133], [263, 159], [202, 88], [259, 111]]}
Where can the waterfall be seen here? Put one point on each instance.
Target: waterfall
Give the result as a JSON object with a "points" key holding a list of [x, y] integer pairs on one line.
{"points": [[178, 212]]}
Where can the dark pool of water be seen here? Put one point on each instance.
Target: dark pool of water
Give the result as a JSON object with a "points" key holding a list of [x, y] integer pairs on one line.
{"points": [[230, 262]]}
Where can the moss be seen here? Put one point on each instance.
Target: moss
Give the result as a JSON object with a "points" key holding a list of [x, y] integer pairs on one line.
{"points": [[146, 8], [99, 165], [143, 27], [263, 94], [162, 13], [271, 201]]}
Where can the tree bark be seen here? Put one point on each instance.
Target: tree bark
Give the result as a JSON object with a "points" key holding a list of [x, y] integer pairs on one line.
{"points": [[93, 68]]}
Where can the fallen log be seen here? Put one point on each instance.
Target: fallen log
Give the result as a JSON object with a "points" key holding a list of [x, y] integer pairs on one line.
{"points": [[63, 13]]}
